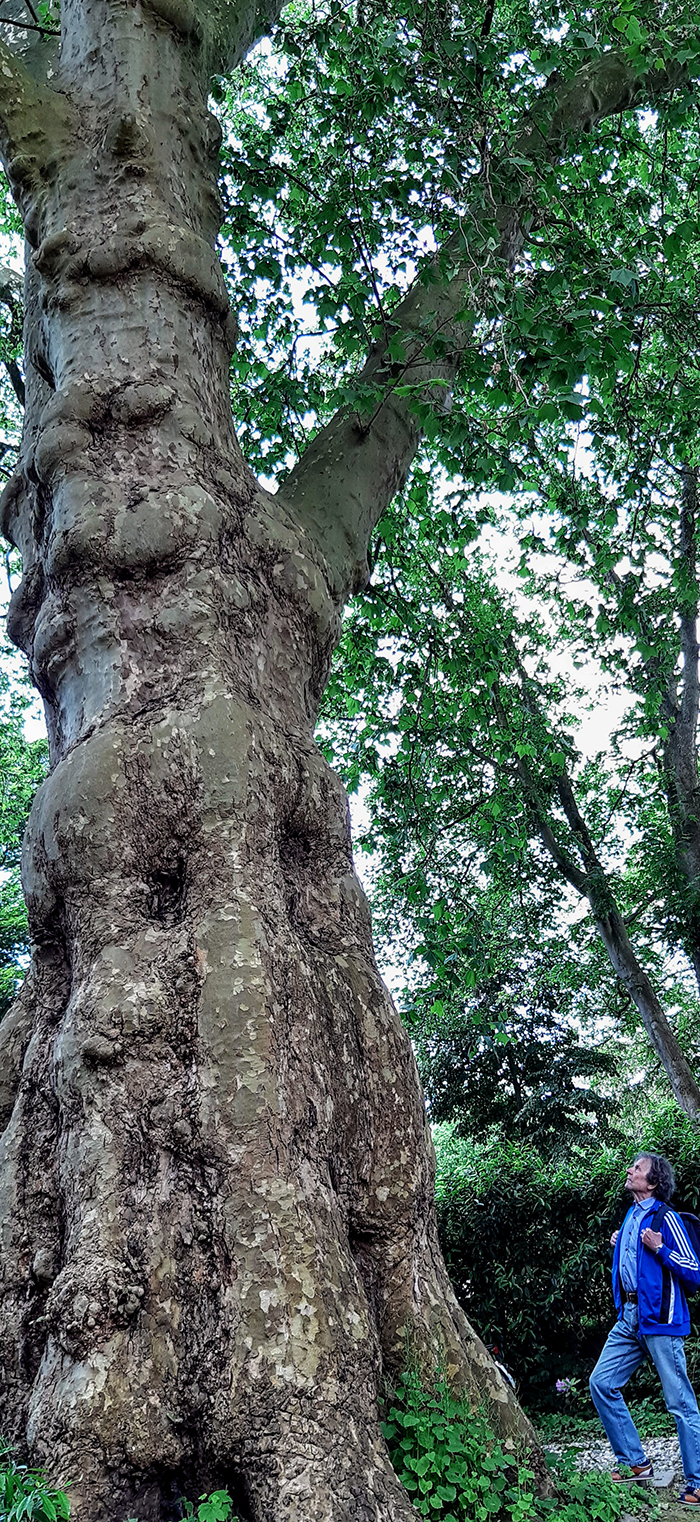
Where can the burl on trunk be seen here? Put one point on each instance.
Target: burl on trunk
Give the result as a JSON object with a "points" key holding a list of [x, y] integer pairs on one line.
{"points": [[216, 1210]]}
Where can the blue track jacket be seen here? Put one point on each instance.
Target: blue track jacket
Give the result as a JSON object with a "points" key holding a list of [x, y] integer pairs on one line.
{"points": [[663, 1308]]}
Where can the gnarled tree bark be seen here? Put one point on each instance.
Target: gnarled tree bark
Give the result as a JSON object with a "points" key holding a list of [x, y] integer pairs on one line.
{"points": [[216, 1181]]}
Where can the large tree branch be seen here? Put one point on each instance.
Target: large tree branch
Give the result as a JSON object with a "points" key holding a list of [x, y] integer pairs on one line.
{"points": [[35, 125], [226, 28], [603, 88], [352, 469]]}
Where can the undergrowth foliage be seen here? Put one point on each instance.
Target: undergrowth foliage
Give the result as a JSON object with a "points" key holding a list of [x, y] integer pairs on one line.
{"points": [[448, 1461], [26, 1495], [217, 1507], [444, 1454], [454, 1469]]}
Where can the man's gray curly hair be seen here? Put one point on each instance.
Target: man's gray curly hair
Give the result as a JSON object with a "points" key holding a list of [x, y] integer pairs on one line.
{"points": [[661, 1176]]}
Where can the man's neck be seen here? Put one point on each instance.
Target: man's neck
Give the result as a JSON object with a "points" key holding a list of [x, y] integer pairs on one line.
{"points": [[641, 1199]]}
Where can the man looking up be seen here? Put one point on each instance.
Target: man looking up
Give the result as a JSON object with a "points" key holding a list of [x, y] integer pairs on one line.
{"points": [[649, 1268]]}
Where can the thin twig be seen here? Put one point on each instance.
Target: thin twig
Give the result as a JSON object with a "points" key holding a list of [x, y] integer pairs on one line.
{"points": [[361, 241], [28, 26]]}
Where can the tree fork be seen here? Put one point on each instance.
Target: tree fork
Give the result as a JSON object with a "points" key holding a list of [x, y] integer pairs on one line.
{"points": [[217, 1223], [354, 466]]}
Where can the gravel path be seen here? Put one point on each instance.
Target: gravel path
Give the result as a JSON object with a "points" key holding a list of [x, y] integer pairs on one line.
{"points": [[665, 1456], [663, 1452]]}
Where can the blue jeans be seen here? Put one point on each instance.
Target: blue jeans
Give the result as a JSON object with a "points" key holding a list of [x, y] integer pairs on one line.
{"points": [[622, 1354]]}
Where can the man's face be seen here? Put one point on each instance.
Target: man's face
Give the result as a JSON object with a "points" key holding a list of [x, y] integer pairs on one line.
{"points": [[637, 1178]]}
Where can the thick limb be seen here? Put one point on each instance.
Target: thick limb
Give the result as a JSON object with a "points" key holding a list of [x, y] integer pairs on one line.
{"points": [[355, 465]]}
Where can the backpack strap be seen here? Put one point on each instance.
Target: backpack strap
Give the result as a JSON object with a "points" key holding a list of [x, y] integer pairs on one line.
{"points": [[661, 1210]]}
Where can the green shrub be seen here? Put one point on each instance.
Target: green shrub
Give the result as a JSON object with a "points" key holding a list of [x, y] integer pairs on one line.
{"points": [[527, 1248], [448, 1461], [581, 1496], [563, 1426], [455, 1470], [217, 1507], [26, 1494]]}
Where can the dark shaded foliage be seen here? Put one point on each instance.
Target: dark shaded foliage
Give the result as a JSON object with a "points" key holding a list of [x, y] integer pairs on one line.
{"points": [[507, 1062]]}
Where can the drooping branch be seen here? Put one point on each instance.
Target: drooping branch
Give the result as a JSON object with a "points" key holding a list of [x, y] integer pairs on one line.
{"points": [[690, 700], [33, 41], [29, 26], [679, 707], [352, 469], [575, 857], [10, 296], [16, 380]]}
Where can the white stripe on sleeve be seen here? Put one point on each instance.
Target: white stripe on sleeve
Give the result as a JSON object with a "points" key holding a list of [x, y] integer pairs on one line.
{"points": [[682, 1254]]}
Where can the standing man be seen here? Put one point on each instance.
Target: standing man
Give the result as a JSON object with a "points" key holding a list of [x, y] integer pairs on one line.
{"points": [[649, 1269]]}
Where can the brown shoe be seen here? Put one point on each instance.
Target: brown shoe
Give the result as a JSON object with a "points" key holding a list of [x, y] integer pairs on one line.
{"points": [[634, 1474]]}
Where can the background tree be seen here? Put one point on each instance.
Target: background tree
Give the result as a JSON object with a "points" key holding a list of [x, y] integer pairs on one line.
{"points": [[217, 1216], [521, 1070], [446, 705], [22, 768]]}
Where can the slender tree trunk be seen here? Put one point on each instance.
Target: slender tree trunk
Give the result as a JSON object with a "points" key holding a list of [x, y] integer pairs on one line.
{"points": [[679, 712], [680, 750], [613, 933], [592, 883], [217, 1226]]}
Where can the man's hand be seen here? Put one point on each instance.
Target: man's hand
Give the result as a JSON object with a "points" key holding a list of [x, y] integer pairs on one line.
{"points": [[652, 1239], [614, 1238]]}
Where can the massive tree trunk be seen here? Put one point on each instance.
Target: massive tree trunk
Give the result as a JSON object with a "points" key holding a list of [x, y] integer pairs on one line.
{"points": [[216, 1182]]}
